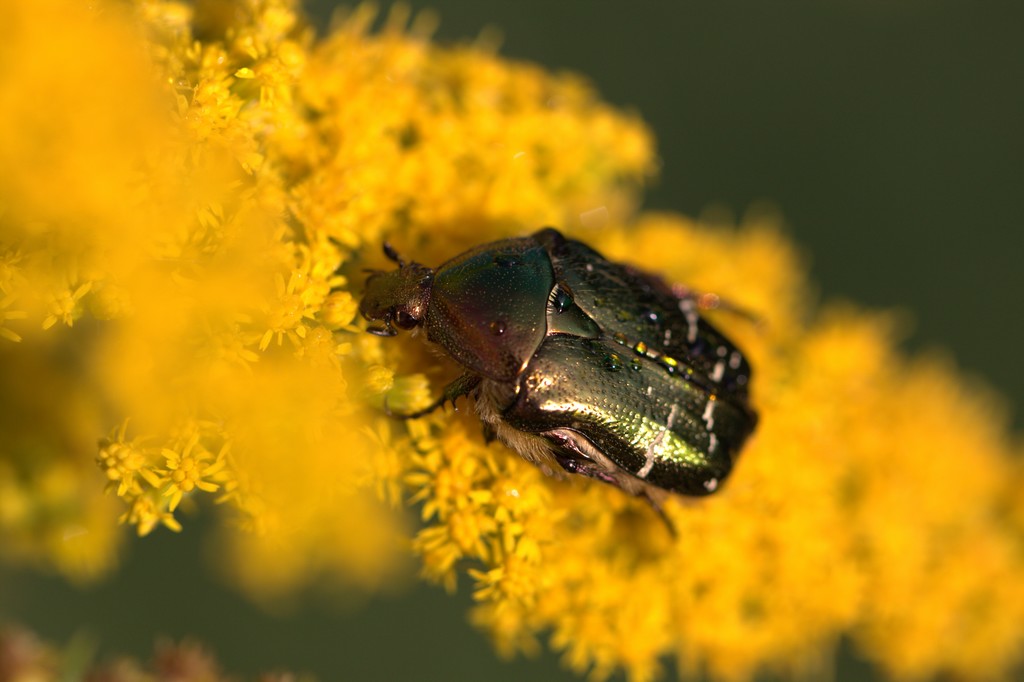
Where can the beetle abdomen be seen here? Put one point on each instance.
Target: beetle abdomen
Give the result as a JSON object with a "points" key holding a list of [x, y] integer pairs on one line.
{"points": [[657, 426], [640, 310]]}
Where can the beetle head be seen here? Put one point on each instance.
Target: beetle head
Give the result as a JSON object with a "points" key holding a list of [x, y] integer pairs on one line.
{"points": [[398, 298]]}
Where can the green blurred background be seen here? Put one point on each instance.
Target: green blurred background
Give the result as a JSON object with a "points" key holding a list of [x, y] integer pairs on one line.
{"points": [[889, 134]]}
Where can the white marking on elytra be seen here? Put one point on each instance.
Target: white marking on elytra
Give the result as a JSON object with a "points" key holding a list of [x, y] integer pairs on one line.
{"points": [[734, 360], [708, 416], [712, 443], [688, 308], [650, 391], [672, 414], [718, 371], [649, 455], [721, 351], [711, 485], [590, 267]]}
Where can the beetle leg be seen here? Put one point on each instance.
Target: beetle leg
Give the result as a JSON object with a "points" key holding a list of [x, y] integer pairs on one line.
{"points": [[382, 329], [490, 435], [711, 301], [459, 387], [583, 467], [574, 465], [660, 511], [571, 458]]}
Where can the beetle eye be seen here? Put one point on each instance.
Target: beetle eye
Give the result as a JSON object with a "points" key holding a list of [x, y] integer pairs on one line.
{"points": [[404, 320]]}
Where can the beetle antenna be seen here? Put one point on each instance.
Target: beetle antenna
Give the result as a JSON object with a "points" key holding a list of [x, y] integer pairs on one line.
{"points": [[390, 252]]}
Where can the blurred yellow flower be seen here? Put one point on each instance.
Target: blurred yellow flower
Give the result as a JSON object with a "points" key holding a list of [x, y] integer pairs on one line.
{"points": [[181, 256]]}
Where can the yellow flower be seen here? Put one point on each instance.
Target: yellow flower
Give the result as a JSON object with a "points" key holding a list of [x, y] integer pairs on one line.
{"points": [[146, 513], [123, 461], [191, 469], [64, 305], [7, 314], [53, 510], [200, 191]]}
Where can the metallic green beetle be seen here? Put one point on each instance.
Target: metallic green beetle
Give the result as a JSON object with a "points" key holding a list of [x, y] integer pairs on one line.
{"points": [[578, 363]]}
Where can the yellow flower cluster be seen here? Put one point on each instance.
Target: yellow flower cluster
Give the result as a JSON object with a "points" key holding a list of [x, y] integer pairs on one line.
{"points": [[181, 254], [871, 501], [193, 203], [52, 507]]}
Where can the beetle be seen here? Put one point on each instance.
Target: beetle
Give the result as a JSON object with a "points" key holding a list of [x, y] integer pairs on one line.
{"points": [[577, 363]]}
